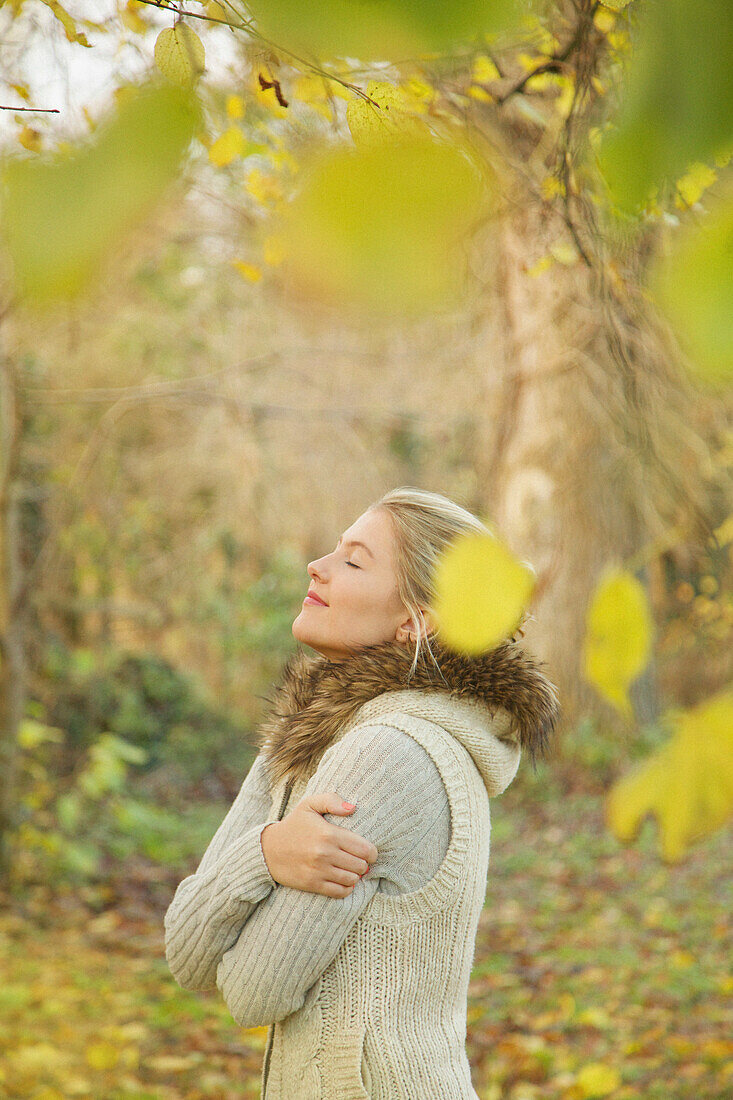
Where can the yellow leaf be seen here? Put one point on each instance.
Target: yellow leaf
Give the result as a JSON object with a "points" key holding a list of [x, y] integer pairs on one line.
{"points": [[132, 18], [604, 20], [687, 784], [180, 54], [565, 253], [616, 5], [480, 94], [552, 186], [235, 106], [695, 181], [67, 22], [273, 250], [724, 533], [37, 1058], [227, 147], [394, 114], [101, 1056], [248, 271], [265, 188], [597, 1079], [267, 97], [30, 139], [22, 91], [541, 265], [618, 636], [481, 592], [484, 70]]}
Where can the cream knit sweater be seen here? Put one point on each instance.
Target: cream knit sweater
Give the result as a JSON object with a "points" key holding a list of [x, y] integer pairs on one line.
{"points": [[366, 995]]}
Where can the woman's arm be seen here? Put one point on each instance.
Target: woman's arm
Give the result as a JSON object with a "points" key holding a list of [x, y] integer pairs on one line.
{"points": [[293, 936], [210, 906]]}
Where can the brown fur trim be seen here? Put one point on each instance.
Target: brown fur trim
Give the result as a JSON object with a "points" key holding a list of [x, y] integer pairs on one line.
{"points": [[317, 697]]}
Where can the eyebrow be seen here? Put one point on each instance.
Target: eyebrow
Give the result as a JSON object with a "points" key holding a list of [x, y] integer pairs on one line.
{"points": [[354, 542]]}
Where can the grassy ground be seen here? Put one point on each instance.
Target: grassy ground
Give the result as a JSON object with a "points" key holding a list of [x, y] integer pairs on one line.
{"points": [[598, 972]]}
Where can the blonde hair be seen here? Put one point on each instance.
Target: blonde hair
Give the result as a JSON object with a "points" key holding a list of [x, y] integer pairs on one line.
{"points": [[424, 524]]}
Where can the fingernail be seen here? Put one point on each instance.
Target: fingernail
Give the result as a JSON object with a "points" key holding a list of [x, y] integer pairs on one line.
{"points": [[349, 805]]}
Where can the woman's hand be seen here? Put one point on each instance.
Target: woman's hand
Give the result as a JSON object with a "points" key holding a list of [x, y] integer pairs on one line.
{"points": [[308, 853]]}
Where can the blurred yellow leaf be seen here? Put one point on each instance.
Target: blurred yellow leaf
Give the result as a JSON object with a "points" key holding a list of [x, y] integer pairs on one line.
{"points": [[37, 1058], [691, 186], [724, 533], [541, 265], [597, 1079], [64, 212], [386, 226], [30, 139], [616, 5], [687, 784], [265, 188], [565, 253], [693, 283], [273, 250], [481, 592], [180, 54], [235, 106], [102, 1056], [484, 70], [618, 636], [227, 147], [132, 19], [370, 125], [248, 271], [168, 1063]]}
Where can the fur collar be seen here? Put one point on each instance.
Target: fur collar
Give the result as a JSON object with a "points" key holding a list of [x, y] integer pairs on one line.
{"points": [[316, 697]]}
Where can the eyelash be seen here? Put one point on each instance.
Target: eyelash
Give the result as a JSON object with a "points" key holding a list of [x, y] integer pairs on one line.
{"points": [[353, 566]]}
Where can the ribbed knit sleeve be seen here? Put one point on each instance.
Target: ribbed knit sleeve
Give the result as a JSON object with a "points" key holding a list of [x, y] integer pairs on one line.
{"points": [[293, 935], [210, 906]]}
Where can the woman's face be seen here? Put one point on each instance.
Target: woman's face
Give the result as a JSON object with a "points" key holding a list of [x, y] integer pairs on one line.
{"points": [[358, 586]]}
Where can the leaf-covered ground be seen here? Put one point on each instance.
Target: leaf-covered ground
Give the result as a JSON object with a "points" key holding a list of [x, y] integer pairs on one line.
{"points": [[599, 971]]}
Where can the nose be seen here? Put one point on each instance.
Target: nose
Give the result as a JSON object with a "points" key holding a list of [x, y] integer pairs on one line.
{"points": [[315, 569]]}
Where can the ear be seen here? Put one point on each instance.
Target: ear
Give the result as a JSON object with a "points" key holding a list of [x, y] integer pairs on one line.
{"points": [[405, 632]]}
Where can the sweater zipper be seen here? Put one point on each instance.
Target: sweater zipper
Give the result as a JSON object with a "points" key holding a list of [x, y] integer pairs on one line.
{"points": [[268, 1052]]}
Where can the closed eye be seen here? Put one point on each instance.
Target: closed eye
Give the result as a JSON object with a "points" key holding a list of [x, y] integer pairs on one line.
{"points": [[353, 565]]}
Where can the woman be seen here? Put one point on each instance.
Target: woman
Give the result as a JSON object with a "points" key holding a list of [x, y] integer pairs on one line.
{"points": [[355, 942]]}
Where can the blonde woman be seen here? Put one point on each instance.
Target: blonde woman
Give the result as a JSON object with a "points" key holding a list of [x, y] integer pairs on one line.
{"points": [[351, 932]]}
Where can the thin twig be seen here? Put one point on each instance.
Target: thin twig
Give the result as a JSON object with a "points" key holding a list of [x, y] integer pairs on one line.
{"points": [[246, 26], [33, 110]]}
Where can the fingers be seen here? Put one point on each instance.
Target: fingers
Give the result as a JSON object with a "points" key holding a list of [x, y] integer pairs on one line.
{"points": [[347, 861], [329, 803]]}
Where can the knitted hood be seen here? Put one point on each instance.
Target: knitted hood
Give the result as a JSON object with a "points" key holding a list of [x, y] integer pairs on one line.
{"points": [[316, 698]]}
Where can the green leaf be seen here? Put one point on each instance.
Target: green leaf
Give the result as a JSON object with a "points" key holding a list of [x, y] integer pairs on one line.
{"points": [[381, 29], [64, 213], [385, 226], [678, 100], [693, 283]]}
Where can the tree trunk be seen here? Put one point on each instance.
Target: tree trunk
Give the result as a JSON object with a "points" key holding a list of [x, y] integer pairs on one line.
{"points": [[12, 640], [590, 453]]}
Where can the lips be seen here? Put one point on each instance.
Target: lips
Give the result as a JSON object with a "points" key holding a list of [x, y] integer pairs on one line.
{"points": [[311, 597]]}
